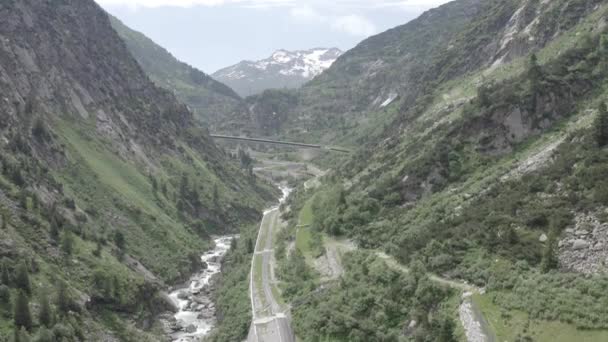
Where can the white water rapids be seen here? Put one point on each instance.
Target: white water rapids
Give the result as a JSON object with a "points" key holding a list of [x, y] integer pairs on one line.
{"points": [[190, 314]]}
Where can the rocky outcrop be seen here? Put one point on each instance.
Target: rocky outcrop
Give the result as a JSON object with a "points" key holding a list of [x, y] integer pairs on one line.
{"points": [[584, 247]]}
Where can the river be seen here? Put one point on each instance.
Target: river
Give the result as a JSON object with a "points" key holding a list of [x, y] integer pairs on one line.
{"points": [[196, 315]]}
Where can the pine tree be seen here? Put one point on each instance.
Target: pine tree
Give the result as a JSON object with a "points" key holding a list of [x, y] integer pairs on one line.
{"points": [[216, 196], [98, 249], [5, 297], [549, 260], [63, 299], [54, 233], [119, 240], [603, 52], [67, 243], [535, 75], [44, 335], [4, 221], [22, 279], [22, 315], [601, 125], [23, 335], [249, 246], [45, 316], [5, 276]]}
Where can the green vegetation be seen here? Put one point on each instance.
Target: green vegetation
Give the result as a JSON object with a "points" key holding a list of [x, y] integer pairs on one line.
{"points": [[513, 325], [232, 295]]}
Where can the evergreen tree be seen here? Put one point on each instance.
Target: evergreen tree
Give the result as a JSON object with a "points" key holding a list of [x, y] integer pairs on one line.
{"points": [[22, 278], [535, 74], [54, 233], [63, 299], [44, 335], [45, 316], [67, 243], [22, 314], [216, 196], [249, 245], [98, 249], [23, 199], [5, 297], [23, 335], [601, 126], [5, 276], [119, 240], [603, 52], [4, 221], [549, 260]]}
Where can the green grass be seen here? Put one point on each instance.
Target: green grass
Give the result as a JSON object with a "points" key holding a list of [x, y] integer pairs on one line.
{"points": [[509, 324], [303, 235]]}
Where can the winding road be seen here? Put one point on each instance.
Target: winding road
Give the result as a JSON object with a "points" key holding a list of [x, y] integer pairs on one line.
{"points": [[271, 321]]}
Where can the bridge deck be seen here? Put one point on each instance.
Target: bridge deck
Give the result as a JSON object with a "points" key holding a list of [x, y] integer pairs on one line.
{"points": [[277, 142]]}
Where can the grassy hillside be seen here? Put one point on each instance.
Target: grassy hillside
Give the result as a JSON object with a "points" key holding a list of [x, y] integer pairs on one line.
{"points": [[109, 188]]}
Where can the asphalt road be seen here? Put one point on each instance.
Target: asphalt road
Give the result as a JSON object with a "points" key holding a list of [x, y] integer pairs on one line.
{"points": [[271, 321]]}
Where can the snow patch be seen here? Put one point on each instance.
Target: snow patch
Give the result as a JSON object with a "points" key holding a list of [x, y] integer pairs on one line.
{"points": [[391, 97]]}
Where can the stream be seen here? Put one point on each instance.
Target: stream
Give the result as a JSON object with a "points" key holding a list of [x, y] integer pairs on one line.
{"points": [[196, 315]]}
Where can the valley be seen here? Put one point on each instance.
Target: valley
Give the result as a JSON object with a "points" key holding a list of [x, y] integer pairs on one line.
{"points": [[441, 181]]}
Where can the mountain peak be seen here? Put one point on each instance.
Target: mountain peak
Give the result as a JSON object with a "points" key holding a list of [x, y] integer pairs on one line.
{"points": [[283, 69]]}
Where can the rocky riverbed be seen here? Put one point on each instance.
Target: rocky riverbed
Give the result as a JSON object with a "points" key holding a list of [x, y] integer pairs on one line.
{"points": [[196, 315]]}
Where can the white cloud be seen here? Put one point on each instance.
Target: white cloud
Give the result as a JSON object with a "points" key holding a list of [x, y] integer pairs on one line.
{"points": [[343, 4], [352, 24], [192, 3], [355, 25]]}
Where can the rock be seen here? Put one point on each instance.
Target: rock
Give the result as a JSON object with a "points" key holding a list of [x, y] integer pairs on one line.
{"points": [[579, 244], [569, 231], [191, 328], [543, 238], [581, 232], [204, 265], [183, 295]]}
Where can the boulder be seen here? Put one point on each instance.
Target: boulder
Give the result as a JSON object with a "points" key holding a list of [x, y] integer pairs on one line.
{"points": [[183, 295], [580, 244], [191, 329], [543, 238]]}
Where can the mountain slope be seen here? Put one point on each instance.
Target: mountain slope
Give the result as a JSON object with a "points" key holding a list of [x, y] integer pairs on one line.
{"points": [[399, 66], [284, 69], [209, 99], [486, 168], [109, 188]]}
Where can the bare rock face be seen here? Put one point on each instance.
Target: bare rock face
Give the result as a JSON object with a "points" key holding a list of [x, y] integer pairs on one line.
{"points": [[584, 248]]}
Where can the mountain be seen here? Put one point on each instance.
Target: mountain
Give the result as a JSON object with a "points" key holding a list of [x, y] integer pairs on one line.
{"points": [[109, 187], [284, 69], [480, 152], [209, 99]]}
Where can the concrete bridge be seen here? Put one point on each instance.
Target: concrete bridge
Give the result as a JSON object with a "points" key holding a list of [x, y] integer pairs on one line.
{"points": [[284, 143]]}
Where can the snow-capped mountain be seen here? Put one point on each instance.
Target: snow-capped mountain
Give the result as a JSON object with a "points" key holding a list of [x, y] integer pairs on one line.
{"points": [[284, 69]]}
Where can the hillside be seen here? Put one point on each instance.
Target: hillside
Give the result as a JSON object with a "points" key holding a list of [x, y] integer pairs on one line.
{"points": [[109, 188], [284, 69], [480, 155], [392, 71], [210, 100]]}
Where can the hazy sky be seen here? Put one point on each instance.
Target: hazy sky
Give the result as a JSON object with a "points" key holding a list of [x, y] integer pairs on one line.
{"points": [[212, 34]]}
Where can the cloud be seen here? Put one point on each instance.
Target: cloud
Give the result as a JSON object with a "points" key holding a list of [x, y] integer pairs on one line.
{"points": [[342, 4], [134, 4], [355, 25]]}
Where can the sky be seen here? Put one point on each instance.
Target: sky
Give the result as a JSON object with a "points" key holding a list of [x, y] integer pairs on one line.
{"points": [[213, 34]]}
